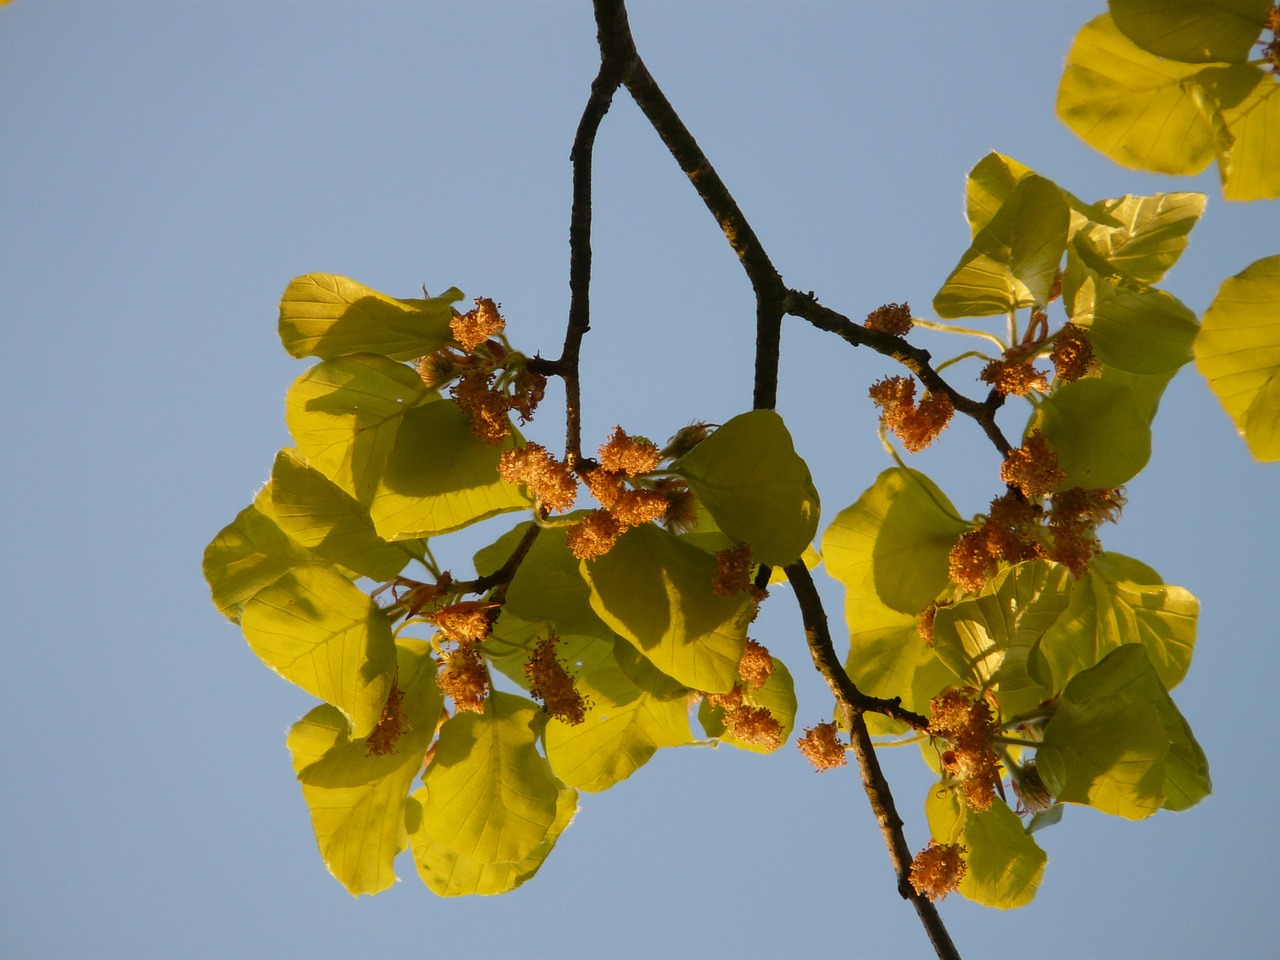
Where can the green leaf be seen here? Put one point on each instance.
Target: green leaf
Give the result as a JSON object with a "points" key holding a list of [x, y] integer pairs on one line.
{"points": [[1005, 864], [1118, 743], [344, 415], [322, 315], [317, 513], [439, 477], [249, 553], [1095, 427], [755, 485], [986, 639], [490, 808], [1137, 331], [315, 628], [1133, 106], [992, 180], [1014, 259], [1238, 352], [777, 695], [548, 587], [893, 543], [356, 799], [1248, 101], [1149, 235], [623, 728], [655, 590], [1192, 31], [1118, 601]]}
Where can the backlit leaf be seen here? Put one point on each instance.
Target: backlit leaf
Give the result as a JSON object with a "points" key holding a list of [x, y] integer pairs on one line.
{"points": [[750, 478], [1136, 331], [1192, 31], [1005, 864], [1095, 427], [655, 590], [1238, 352], [1248, 98], [322, 315], [1148, 237], [777, 695], [315, 628]]}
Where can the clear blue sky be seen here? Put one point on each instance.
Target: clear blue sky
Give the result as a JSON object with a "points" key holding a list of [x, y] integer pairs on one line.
{"points": [[169, 166]]}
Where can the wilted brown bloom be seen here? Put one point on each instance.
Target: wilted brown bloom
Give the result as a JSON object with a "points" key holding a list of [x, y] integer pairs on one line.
{"points": [[1072, 354], [390, 727]]}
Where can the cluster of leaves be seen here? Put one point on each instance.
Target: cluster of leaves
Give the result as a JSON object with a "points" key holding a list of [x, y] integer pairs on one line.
{"points": [[615, 645]]}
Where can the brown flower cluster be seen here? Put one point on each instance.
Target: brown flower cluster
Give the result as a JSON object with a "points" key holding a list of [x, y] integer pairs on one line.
{"points": [[756, 664], [750, 724], [550, 481], [1014, 376], [551, 684], [491, 381], [1072, 353], [1008, 534], [464, 678], [1073, 524], [893, 318], [916, 426], [390, 727], [622, 504], [924, 621], [1271, 51], [1033, 467], [464, 621], [734, 571], [967, 722], [938, 869], [478, 324], [821, 746]]}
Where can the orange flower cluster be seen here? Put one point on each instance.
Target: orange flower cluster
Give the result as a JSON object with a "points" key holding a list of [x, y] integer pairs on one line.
{"points": [[478, 324], [756, 664], [622, 458], [551, 684], [1072, 354], [464, 621], [892, 318], [1009, 533], [465, 678], [916, 426], [821, 746], [750, 724], [734, 571], [1271, 51], [1073, 524], [1014, 376], [390, 727], [938, 869], [550, 481], [1033, 468], [968, 724], [924, 622]]}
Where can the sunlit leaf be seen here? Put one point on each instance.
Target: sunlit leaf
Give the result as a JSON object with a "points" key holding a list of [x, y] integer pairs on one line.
{"points": [[750, 478], [655, 590], [1118, 601], [1148, 237], [1192, 31], [1095, 427], [777, 695], [1133, 106], [894, 541], [1014, 259], [344, 415], [490, 808], [1004, 863], [1118, 743], [1238, 352], [315, 628], [986, 638], [439, 477], [356, 799], [248, 554], [1136, 331], [1248, 98], [322, 315], [992, 180], [317, 513]]}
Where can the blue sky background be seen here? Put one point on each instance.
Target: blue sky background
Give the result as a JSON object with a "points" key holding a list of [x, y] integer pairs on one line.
{"points": [[169, 166]]}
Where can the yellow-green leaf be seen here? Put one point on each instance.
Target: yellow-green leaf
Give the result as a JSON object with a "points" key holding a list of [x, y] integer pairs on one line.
{"points": [[1192, 31], [1238, 352], [1101, 437], [1014, 259], [1148, 236], [344, 414], [356, 799], [317, 513], [315, 628], [1142, 331], [322, 315], [655, 590], [755, 485], [439, 477], [777, 695], [491, 807], [1004, 863], [1248, 98]]}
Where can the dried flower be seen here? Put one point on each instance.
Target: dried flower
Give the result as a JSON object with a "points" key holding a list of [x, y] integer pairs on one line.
{"points": [[551, 684], [465, 678], [733, 570], [682, 506], [478, 324], [892, 318], [822, 747], [1033, 467], [390, 727], [685, 439], [1072, 354], [938, 869]]}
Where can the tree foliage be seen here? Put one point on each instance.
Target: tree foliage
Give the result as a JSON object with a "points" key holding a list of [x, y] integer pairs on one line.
{"points": [[462, 717]]}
